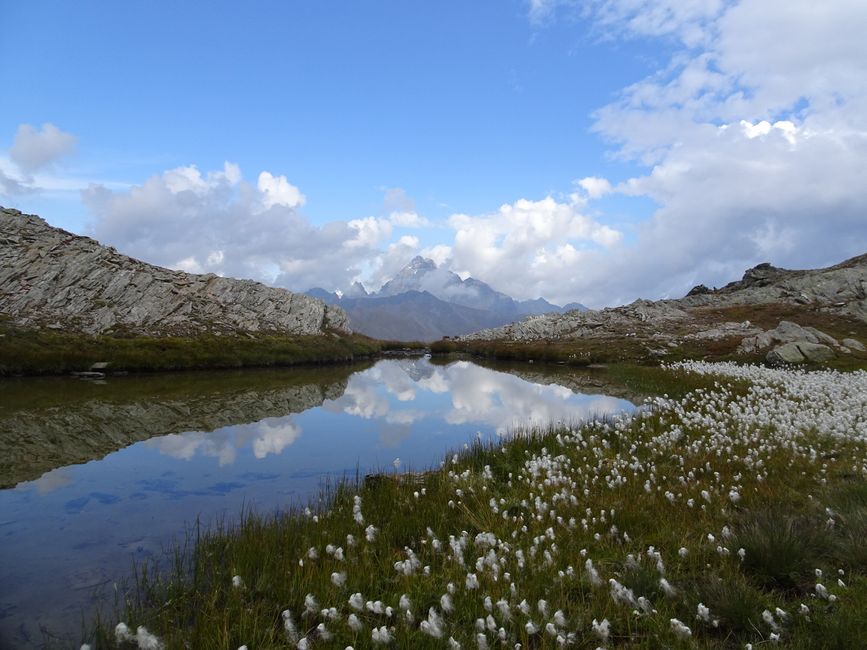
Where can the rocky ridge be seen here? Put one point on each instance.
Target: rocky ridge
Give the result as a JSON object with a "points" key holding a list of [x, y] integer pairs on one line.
{"points": [[50, 278], [834, 294]]}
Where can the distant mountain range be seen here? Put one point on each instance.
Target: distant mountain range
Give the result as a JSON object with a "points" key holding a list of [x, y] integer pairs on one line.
{"points": [[424, 302]]}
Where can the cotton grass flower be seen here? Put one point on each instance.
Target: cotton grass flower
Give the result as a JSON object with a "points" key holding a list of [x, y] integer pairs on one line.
{"points": [[680, 629], [602, 629], [338, 579]]}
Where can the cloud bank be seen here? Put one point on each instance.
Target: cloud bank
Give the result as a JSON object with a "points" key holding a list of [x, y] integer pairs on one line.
{"points": [[750, 139]]}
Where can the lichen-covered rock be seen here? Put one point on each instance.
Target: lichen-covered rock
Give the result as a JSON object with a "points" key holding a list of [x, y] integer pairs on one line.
{"points": [[799, 352], [853, 344], [786, 332], [52, 278], [839, 290]]}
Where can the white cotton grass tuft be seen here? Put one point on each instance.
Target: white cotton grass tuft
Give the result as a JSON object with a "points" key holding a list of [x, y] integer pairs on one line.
{"points": [[592, 573], [144, 639], [434, 625], [356, 601], [354, 623], [446, 603], [381, 635], [289, 627], [666, 587], [338, 579], [602, 629], [323, 632], [237, 582], [680, 629]]}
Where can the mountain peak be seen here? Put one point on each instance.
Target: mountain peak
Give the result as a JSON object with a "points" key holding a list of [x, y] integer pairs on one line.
{"points": [[420, 264]]}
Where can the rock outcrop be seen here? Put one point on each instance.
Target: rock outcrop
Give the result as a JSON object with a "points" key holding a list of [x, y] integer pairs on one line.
{"points": [[835, 294], [50, 278], [799, 352]]}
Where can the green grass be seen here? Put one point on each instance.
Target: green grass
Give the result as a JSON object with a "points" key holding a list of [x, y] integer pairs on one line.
{"points": [[780, 520], [33, 352]]}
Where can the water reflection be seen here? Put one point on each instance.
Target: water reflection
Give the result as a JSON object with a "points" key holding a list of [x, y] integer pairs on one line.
{"points": [[164, 451]]}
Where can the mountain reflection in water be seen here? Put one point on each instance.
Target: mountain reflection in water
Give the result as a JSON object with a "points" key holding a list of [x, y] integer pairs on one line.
{"points": [[110, 473]]}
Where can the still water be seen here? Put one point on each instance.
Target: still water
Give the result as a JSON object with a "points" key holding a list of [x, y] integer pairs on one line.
{"points": [[95, 476]]}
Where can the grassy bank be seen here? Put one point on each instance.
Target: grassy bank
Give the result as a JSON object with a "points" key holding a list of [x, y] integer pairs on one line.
{"points": [[33, 352], [734, 515]]}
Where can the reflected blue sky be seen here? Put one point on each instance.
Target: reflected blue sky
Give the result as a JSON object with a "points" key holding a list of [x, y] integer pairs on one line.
{"points": [[79, 527]]}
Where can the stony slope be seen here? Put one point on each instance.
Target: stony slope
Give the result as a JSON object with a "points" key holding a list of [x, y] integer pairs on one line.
{"points": [[52, 278], [764, 303]]}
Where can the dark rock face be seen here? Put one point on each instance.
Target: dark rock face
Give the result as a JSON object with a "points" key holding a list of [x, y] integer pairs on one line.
{"points": [[52, 278], [699, 290]]}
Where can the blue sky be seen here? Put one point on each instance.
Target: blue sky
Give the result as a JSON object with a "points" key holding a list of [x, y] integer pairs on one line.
{"points": [[458, 109]]}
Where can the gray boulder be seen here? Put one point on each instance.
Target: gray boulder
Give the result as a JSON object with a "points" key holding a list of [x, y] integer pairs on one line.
{"points": [[785, 332], [852, 344], [799, 352]]}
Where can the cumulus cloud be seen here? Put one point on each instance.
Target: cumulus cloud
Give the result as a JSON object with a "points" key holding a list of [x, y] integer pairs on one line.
{"points": [[525, 248], [753, 146], [35, 148], [276, 190], [217, 222], [594, 186]]}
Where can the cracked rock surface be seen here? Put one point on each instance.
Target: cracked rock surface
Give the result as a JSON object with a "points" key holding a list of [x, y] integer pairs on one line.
{"points": [[50, 278]]}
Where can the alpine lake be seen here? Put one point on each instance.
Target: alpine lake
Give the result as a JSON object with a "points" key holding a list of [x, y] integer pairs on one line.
{"points": [[100, 476]]}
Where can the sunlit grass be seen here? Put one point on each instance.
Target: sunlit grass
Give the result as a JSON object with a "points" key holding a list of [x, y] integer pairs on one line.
{"points": [[34, 352], [729, 517]]}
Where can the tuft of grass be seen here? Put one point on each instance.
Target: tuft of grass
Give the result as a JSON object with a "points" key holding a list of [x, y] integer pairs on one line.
{"points": [[782, 550]]}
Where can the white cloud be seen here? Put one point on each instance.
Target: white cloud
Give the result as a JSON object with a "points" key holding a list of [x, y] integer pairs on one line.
{"points": [[595, 187], [276, 190], [217, 222], [524, 248], [35, 148], [408, 220], [754, 137]]}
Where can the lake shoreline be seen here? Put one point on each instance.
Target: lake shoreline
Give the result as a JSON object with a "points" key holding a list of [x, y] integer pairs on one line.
{"points": [[36, 352], [731, 513]]}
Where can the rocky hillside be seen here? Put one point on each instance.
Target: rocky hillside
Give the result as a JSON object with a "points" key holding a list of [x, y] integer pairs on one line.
{"points": [[786, 313], [50, 278]]}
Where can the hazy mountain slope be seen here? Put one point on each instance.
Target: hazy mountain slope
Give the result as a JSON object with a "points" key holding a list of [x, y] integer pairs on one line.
{"points": [[422, 274], [53, 278], [450, 306], [414, 316]]}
